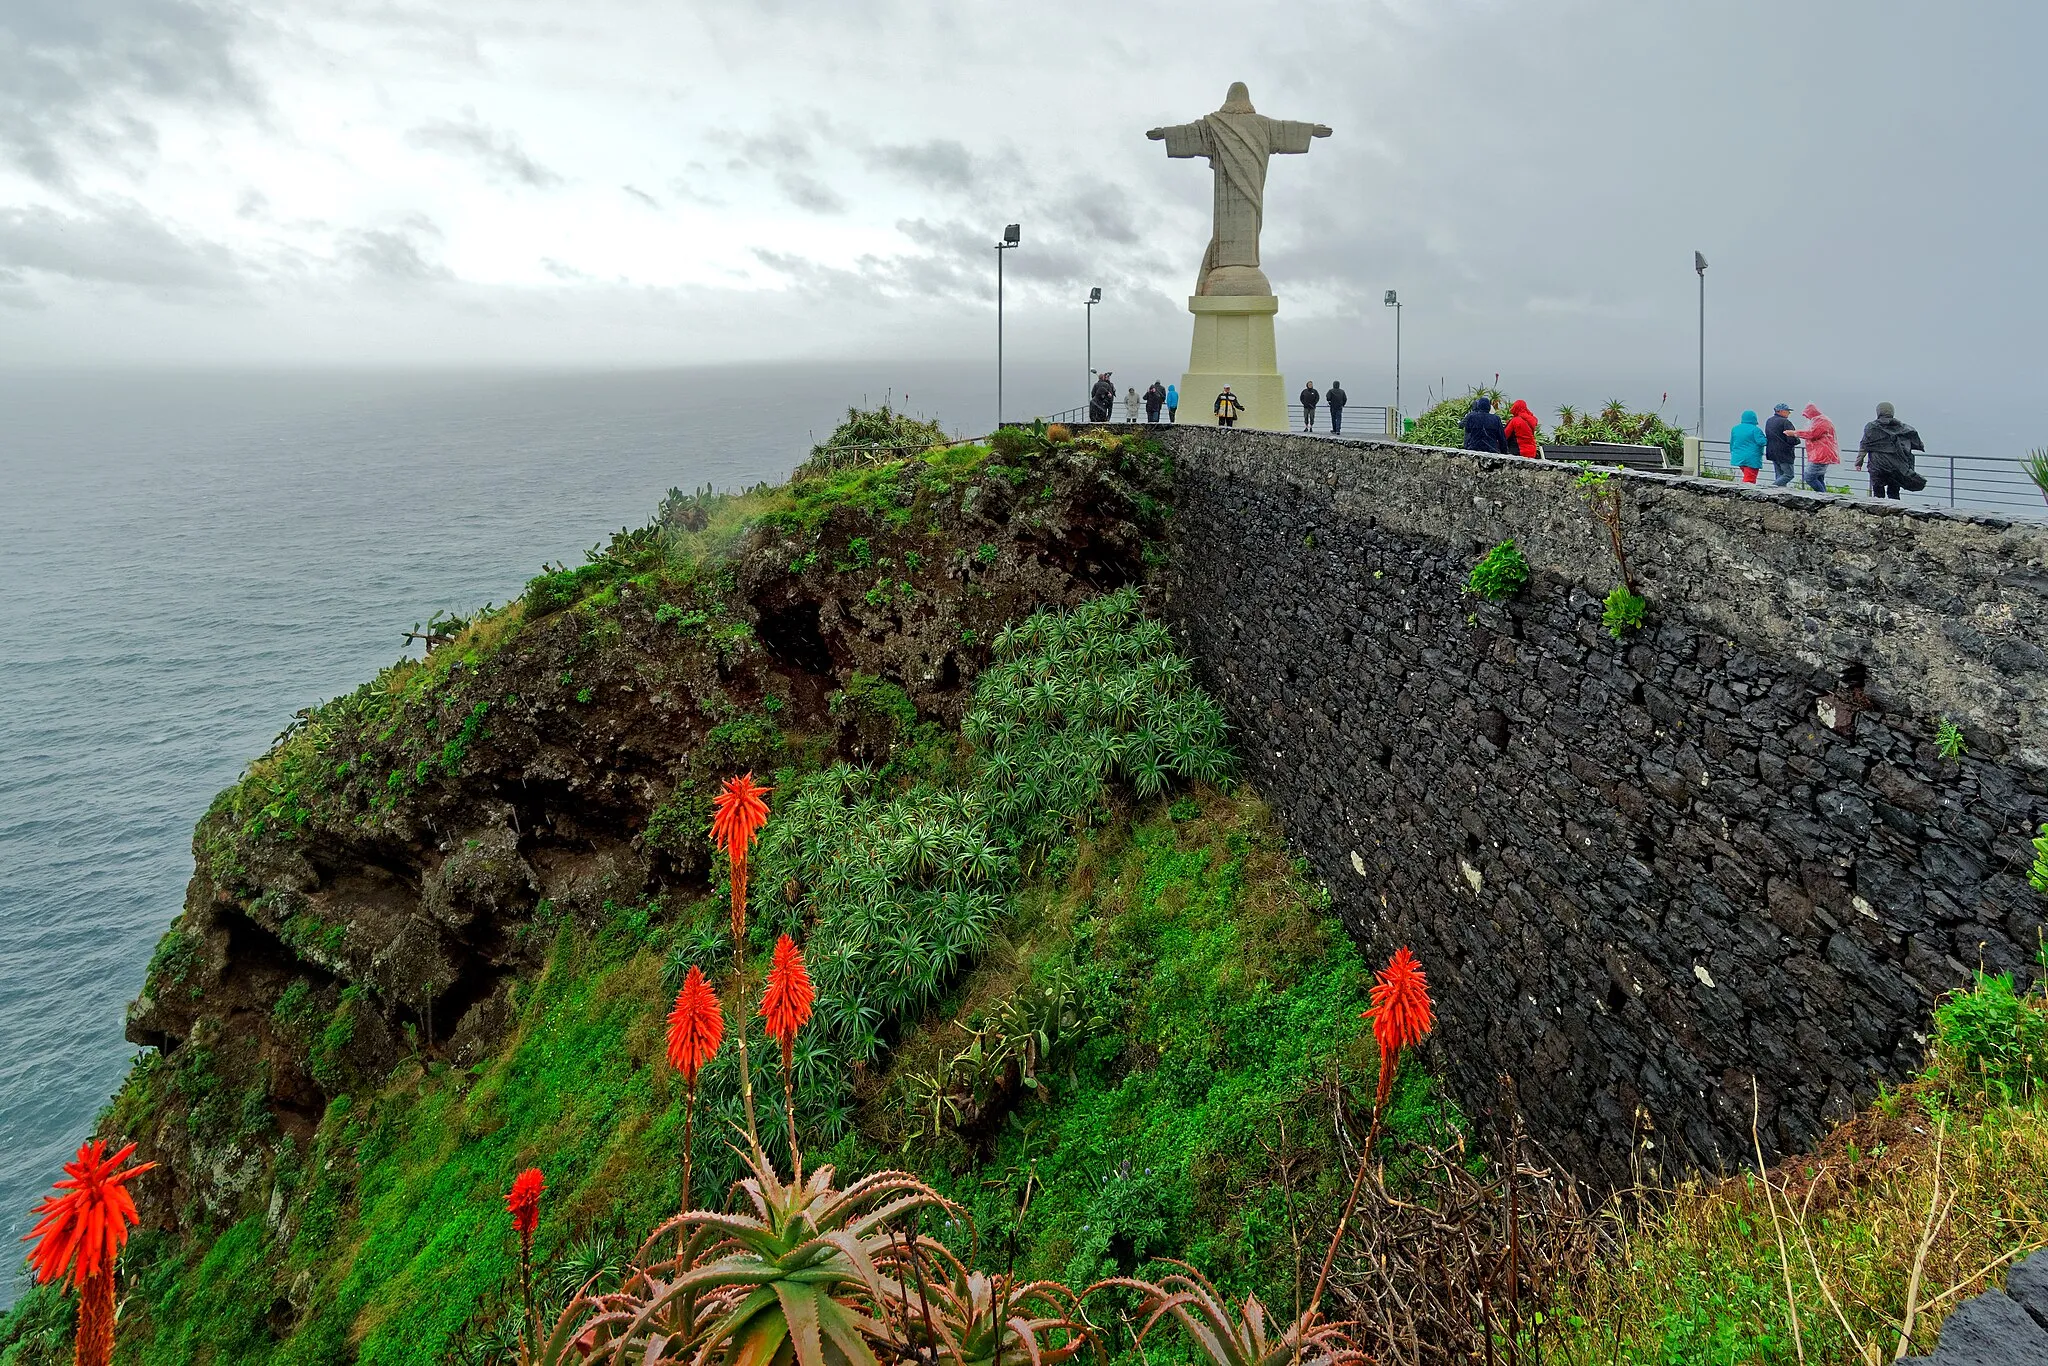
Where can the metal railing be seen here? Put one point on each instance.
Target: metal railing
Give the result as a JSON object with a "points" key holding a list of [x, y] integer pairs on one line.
{"points": [[1360, 419], [1966, 483]]}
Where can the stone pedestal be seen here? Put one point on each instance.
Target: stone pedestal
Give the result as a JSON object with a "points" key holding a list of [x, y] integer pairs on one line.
{"points": [[1234, 346]]}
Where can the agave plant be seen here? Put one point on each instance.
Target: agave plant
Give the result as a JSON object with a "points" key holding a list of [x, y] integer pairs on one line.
{"points": [[799, 1273], [1244, 1338]]}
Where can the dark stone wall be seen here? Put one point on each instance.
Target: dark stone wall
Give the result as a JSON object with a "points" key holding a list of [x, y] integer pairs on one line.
{"points": [[1644, 875]]}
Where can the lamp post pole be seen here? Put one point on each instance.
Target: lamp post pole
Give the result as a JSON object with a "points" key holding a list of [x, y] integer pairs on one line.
{"points": [[1699, 264], [1088, 305], [1010, 236], [1393, 301]]}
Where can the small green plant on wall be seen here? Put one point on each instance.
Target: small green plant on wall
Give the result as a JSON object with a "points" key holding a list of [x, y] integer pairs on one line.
{"points": [[1501, 574], [1624, 611], [2039, 874], [1948, 738]]}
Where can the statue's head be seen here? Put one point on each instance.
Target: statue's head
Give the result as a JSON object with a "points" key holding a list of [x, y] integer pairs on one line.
{"points": [[1238, 101]]}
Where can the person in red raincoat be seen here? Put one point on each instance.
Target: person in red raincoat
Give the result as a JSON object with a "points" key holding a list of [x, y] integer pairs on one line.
{"points": [[1522, 430], [1822, 448]]}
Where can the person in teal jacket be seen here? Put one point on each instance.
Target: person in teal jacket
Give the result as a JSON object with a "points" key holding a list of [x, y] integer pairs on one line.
{"points": [[1746, 446], [1172, 402]]}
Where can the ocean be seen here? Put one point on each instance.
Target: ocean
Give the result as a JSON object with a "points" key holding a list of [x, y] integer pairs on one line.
{"points": [[188, 559]]}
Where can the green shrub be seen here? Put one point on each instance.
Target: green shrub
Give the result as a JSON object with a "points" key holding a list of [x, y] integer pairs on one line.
{"points": [[1501, 574], [1948, 738], [870, 436], [1443, 424], [1625, 611], [553, 590], [1614, 423], [1996, 1034], [2038, 874]]}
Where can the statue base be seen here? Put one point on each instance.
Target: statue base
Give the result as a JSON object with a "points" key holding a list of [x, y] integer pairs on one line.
{"points": [[1234, 346]]}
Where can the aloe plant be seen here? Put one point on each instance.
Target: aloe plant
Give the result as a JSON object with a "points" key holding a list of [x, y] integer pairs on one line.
{"points": [[973, 1318], [2036, 466], [1243, 1338], [798, 1273]]}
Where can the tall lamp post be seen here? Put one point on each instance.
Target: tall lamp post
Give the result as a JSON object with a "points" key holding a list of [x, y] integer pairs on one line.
{"points": [[1699, 264], [1010, 236], [1088, 304], [1393, 301]]}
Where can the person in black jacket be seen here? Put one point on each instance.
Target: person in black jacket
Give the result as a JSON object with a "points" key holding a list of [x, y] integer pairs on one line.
{"points": [[1483, 429], [1155, 399], [1100, 398], [1309, 399], [1336, 398], [1781, 448], [1888, 444]]}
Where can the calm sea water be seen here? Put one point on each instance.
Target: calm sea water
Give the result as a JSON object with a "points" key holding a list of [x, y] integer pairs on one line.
{"points": [[186, 560]]}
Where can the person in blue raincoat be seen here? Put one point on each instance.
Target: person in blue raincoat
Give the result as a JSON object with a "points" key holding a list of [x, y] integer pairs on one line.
{"points": [[1746, 446]]}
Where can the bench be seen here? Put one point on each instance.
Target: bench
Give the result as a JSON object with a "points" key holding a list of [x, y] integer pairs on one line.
{"points": [[1609, 453]]}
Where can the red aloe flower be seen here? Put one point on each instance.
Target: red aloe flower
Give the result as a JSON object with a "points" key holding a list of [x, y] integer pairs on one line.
{"points": [[695, 1027], [787, 1003], [80, 1235], [524, 1201], [1400, 1014], [738, 813]]}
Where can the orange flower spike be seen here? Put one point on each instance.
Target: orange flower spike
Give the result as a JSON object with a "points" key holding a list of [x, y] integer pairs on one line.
{"points": [[787, 1002], [524, 1201], [738, 813], [695, 1027], [1401, 1014], [81, 1232]]}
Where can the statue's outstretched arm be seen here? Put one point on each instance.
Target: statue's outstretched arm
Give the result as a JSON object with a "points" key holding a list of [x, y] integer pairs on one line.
{"points": [[1181, 139]]}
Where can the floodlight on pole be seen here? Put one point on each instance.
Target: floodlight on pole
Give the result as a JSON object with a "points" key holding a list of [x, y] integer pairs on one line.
{"points": [[1699, 264], [1011, 234], [1393, 301], [1088, 306]]}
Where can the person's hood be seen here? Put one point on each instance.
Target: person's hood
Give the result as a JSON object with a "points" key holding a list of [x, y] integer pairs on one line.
{"points": [[1889, 425], [1520, 409], [1482, 405], [1748, 418], [1810, 412]]}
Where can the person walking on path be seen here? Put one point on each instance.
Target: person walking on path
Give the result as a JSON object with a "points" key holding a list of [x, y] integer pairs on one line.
{"points": [[1823, 450], [1228, 406], [1483, 430], [1336, 398], [1522, 431], [1309, 399], [1100, 398], [1746, 446], [1888, 444], [1780, 445], [1131, 404], [1155, 397], [1172, 402]]}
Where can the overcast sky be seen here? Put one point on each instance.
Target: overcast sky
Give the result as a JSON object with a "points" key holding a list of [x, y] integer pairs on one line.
{"points": [[671, 181]]}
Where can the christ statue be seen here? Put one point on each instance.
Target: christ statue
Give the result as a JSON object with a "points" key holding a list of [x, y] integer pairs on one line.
{"points": [[1236, 139]]}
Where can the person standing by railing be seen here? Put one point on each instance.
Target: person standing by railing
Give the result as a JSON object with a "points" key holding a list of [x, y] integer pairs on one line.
{"points": [[1131, 404], [1309, 399], [1823, 449], [1746, 446], [1155, 398], [1888, 445], [1336, 398], [1780, 445], [1172, 402], [1101, 398]]}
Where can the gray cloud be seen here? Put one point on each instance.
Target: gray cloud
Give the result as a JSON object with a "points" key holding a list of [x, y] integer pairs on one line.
{"points": [[119, 243], [808, 192], [397, 256], [645, 198], [941, 163], [77, 76], [496, 150]]}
